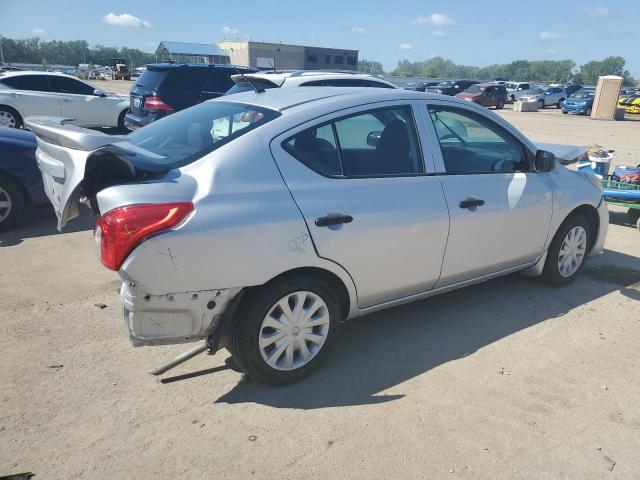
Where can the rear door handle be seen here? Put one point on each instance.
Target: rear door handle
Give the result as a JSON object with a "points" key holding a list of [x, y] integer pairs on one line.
{"points": [[471, 203], [66, 100], [333, 220]]}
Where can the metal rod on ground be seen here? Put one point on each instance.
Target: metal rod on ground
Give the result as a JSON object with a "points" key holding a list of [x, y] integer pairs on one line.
{"points": [[180, 359]]}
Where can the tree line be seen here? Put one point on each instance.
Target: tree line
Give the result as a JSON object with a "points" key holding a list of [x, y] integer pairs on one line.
{"points": [[75, 52], [536, 70]]}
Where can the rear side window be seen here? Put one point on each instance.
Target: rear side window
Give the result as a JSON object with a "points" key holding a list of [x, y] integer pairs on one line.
{"points": [[151, 78], [377, 143], [220, 80], [186, 136], [189, 79], [244, 86], [37, 83]]}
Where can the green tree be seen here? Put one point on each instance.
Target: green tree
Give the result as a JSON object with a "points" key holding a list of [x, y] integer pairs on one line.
{"points": [[370, 66]]}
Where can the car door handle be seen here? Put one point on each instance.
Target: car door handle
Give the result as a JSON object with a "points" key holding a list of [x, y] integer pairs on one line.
{"points": [[66, 100], [333, 220], [471, 203]]}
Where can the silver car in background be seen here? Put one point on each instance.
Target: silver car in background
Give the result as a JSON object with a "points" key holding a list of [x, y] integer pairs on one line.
{"points": [[262, 220], [515, 90], [546, 96]]}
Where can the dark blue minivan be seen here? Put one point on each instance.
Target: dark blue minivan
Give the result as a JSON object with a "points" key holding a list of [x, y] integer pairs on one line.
{"points": [[165, 88]]}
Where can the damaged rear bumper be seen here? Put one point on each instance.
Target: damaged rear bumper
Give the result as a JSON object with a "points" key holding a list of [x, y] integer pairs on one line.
{"points": [[173, 317]]}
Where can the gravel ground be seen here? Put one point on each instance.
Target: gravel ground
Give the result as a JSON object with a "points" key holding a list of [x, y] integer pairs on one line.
{"points": [[508, 379]]}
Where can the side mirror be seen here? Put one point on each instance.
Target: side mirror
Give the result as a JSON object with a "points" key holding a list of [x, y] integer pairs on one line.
{"points": [[99, 93], [373, 138], [545, 161]]}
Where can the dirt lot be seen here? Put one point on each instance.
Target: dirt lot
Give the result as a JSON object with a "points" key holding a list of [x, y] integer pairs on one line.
{"points": [[509, 379]]}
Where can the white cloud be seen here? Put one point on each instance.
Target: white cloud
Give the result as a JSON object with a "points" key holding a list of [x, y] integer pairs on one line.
{"points": [[125, 20], [37, 31], [356, 29], [595, 12], [435, 19], [227, 30], [406, 46], [439, 33], [551, 51], [551, 36]]}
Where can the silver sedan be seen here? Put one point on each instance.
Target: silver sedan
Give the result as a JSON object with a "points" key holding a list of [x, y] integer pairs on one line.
{"points": [[260, 221]]}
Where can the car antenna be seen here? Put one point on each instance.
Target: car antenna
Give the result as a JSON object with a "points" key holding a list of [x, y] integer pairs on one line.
{"points": [[255, 88]]}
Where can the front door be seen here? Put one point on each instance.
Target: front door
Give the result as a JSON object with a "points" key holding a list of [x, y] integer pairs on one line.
{"points": [[500, 209], [33, 95], [370, 204], [80, 103]]}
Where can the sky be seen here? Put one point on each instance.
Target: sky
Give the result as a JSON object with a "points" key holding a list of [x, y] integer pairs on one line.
{"points": [[468, 32]]}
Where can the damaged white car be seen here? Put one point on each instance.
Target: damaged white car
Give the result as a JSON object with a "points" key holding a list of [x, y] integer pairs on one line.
{"points": [[262, 220]]}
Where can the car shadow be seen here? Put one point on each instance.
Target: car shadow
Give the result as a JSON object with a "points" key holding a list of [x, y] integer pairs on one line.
{"points": [[41, 222], [382, 350]]}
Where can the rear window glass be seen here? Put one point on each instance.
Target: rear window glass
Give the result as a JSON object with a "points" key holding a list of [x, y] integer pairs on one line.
{"points": [[151, 78], [186, 136]]}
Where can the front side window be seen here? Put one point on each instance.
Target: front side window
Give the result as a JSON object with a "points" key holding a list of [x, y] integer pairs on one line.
{"points": [[188, 135], [69, 85], [473, 144], [378, 143]]}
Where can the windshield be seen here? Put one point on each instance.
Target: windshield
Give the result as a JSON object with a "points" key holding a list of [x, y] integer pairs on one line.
{"points": [[186, 136], [584, 93], [512, 86], [536, 91], [475, 89]]}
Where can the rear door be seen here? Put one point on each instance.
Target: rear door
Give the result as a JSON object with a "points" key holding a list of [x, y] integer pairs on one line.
{"points": [[369, 197], [32, 95], [500, 209]]}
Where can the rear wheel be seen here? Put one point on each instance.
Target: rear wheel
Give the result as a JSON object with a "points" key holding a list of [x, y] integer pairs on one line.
{"points": [[568, 251], [121, 119], [11, 202], [513, 98], [541, 104], [633, 215], [10, 118], [281, 332], [588, 112]]}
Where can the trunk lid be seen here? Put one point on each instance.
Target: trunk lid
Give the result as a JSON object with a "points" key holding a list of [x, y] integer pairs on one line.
{"points": [[76, 163]]}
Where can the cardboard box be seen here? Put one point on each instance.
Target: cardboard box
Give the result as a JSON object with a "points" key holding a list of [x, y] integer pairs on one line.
{"points": [[605, 101]]}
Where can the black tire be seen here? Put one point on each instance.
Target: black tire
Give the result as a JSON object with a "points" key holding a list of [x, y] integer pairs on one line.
{"points": [[588, 112], [500, 105], [245, 326], [541, 104], [564, 112], [9, 191], [513, 98], [14, 113], [560, 103], [121, 119], [551, 272], [633, 215]]}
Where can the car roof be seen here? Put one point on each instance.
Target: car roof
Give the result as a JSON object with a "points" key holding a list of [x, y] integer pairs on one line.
{"points": [[33, 72], [171, 66], [284, 98], [279, 77]]}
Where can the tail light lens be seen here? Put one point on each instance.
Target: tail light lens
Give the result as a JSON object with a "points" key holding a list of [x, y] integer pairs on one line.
{"points": [[154, 103], [122, 229]]}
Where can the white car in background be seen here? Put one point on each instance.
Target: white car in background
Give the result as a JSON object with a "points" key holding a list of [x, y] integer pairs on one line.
{"points": [[305, 78], [515, 90], [37, 94]]}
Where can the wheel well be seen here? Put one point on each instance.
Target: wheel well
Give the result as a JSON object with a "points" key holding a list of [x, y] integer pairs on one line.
{"points": [[9, 107], [591, 214], [329, 277], [23, 190]]}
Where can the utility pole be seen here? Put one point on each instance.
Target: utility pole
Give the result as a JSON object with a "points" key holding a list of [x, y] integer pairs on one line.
{"points": [[1, 52]]}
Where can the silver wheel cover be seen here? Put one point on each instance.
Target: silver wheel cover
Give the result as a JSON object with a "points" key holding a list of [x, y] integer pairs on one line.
{"points": [[5, 204], [7, 120], [294, 331], [572, 251]]}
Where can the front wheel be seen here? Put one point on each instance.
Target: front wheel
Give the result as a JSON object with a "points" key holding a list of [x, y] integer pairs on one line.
{"points": [[568, 251], [540, 104], [11, 203], [500, 105], [560, 103], [281, 332], [10, 118]]}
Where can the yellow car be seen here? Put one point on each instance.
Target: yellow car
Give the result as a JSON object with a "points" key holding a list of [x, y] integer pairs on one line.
{"points": [[630, 103]]}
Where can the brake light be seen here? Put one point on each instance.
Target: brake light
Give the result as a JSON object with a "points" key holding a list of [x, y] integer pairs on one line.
{"points": [[122, 229], [154, 103]]}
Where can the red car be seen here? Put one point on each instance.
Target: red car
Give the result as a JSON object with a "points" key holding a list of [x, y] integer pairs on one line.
{"points": [[486, 94]]}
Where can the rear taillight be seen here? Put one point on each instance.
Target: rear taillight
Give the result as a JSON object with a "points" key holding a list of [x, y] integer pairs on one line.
{"points": [[122, 229], [154, 103]]}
